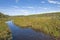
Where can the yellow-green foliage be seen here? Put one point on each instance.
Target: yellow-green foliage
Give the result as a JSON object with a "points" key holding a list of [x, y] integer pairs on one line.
{"points": [[5, 33], [47, 23]]}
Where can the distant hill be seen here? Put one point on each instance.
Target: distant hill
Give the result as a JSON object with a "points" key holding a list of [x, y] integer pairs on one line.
{"points": [[3, 16], [47, 14], [48, 23]]}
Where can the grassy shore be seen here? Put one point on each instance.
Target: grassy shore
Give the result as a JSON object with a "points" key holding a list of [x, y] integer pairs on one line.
{"points": [[5, 33], [46, 23]]}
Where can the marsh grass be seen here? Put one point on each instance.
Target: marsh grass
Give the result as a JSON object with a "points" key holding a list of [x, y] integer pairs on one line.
{"points": [[46, 23], [5, 33]]}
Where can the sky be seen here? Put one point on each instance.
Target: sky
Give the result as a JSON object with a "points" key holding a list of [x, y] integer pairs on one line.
{"points": [[28, 7]]}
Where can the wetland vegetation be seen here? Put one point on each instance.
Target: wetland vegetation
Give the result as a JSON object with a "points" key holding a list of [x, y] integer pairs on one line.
{"points": [[48, 23], [5, 33]]}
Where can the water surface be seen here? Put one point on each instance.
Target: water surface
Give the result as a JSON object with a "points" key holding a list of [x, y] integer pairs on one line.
{"points": [[26, 33]]}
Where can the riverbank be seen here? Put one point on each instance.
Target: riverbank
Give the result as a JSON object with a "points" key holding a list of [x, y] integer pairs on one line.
{"points": [[5, 33], [46, 23], [26, 33]]}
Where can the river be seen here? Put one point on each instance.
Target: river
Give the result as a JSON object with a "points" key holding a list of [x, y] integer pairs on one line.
{"points": [[26, 33]]}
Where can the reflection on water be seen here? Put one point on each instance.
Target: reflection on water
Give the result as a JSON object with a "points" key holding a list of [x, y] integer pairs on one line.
{"points": [[26, 34]]}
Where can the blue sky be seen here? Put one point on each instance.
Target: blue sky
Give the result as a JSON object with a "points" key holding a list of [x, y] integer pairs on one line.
{"points": [[27, 7]]}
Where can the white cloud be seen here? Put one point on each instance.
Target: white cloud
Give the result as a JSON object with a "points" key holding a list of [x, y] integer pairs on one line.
{"points": [[53, 1], [15, 10], [29, 7]]}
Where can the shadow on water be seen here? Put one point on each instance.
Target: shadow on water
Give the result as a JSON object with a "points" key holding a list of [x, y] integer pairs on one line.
{"points": [[26, 34]]}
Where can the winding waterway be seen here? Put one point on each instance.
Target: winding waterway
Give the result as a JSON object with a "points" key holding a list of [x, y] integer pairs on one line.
{"points": [[26, 33]]}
